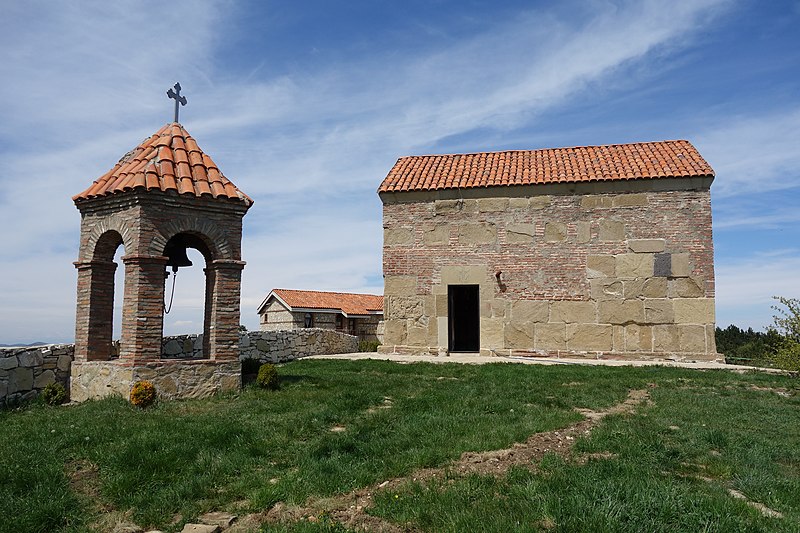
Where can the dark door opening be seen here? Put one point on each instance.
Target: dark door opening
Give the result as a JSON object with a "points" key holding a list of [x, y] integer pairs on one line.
{"points": [[463, 317]]}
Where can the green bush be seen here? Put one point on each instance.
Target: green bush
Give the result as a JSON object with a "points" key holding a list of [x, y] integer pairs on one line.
{"points": [[268, 376], [143, 394], [54, 394], [368, 346]]}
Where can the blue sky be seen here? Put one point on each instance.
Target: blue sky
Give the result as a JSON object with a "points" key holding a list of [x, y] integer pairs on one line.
{"points": [[307, 105]]}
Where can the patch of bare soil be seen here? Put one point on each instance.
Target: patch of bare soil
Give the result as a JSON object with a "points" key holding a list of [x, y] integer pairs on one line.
{"points": [[350, 509]]}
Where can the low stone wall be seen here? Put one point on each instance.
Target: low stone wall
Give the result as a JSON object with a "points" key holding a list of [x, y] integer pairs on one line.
{"points": [[25, 371], [172, 379], [286, 345], [268, 346]]}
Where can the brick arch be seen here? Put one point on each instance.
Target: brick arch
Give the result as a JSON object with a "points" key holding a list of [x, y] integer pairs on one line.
{"points": [[108, 233], [217, 242]]}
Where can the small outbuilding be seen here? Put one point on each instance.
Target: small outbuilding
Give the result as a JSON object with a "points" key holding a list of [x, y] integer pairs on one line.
{"points": [[597, 251], [354, 314]]}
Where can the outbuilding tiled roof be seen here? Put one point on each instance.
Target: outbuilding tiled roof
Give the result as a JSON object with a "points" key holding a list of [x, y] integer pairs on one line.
{"points": [[650, 160], [348, 303], [169, 160]]}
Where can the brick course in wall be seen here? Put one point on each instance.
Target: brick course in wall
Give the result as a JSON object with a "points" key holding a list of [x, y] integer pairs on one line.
{"points": [[597, 269]]}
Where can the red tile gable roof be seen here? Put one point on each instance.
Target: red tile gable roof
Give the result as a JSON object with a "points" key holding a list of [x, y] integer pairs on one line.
{"points": [[169, 160], [649, 160], [348, 303]]}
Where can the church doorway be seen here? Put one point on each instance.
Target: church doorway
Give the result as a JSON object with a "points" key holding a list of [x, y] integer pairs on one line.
{"points": [[463, 312]]}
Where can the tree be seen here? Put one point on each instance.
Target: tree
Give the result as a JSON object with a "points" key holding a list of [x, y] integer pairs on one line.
{"points": [[787, 325]]}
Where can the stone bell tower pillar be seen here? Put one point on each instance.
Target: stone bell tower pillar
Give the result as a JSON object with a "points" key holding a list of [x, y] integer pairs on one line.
{"points": [[162, 197]]}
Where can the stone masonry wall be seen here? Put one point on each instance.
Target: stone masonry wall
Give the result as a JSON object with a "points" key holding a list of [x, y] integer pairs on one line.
{"points": [[268, 346], [603, 274], [25, 371]]}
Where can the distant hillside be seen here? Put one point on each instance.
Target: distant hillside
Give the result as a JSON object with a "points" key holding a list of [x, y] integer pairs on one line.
{"points": [[22, 345]]}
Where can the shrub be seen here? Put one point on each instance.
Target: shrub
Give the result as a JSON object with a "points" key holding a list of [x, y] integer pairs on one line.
{"points": [[54, 394], [143, 394], [368, 346], [268, 376]]}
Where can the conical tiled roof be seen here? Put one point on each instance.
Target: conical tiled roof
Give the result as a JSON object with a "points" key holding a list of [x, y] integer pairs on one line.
{"points": [[169, 160]]}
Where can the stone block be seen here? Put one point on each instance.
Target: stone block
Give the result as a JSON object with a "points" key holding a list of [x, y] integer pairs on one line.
{"points": [[619, 338], [662, 265], [530, 311], [492, 333], [398, 307], [634, 265], [3, 389], [550, 336], [539, 202], [711, 339], [501, 308], [555, 232], [589, 337], [520, 233], [573, 312], [646, 245], [7, 363], [596, 201], [519, 335], [646, 288], [611, 230], [44, 379], [173, 347], [201, 528], [666, 338], [441, 305], [443, 207], [638, 338], [463, 275], [658, 311], [30, 358], [399, 285], [20, 379], [398, 236], [606, 289], [620, 312], [630, 200], [437, 236], [490, 205], [692, 338], [680, 265], [584, 232], [694, 310], [518, 203], [395, 332], [477, 234], [598, 266], [686, 288]]}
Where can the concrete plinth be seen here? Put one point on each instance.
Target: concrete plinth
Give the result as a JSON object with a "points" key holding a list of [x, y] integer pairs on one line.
{"points": [[172, 379]]}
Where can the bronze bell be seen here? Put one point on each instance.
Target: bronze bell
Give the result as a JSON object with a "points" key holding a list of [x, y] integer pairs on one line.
{"points": [[176, 252]]}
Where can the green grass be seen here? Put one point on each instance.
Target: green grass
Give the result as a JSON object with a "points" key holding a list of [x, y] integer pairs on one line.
{"points": [[164, 466]]}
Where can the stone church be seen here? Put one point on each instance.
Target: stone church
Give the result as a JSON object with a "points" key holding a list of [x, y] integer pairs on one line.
{"points": [[593, 251]]}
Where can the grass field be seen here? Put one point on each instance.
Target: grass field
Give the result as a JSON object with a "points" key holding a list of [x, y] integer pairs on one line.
{"points": [[701, 452]]}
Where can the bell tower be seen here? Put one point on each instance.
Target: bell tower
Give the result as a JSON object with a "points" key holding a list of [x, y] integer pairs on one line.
{"points": [[162, 197]]}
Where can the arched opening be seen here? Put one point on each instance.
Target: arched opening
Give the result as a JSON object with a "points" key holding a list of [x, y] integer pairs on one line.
{"points": [[96, 288], [186, 294]]}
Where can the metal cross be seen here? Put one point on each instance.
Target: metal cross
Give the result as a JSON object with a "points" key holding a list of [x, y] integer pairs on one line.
{"points": [[176, 95]]}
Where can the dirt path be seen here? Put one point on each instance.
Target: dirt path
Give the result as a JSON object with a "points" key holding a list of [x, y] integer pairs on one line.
{"points": [[350, 509]]}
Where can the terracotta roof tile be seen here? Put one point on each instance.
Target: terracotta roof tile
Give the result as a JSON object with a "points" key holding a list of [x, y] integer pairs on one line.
{"points": [[169, 160], [648, 160], [348, 303]]}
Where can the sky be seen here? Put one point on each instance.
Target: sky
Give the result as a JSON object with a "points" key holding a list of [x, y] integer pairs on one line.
{"points": [[306, 106]]}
